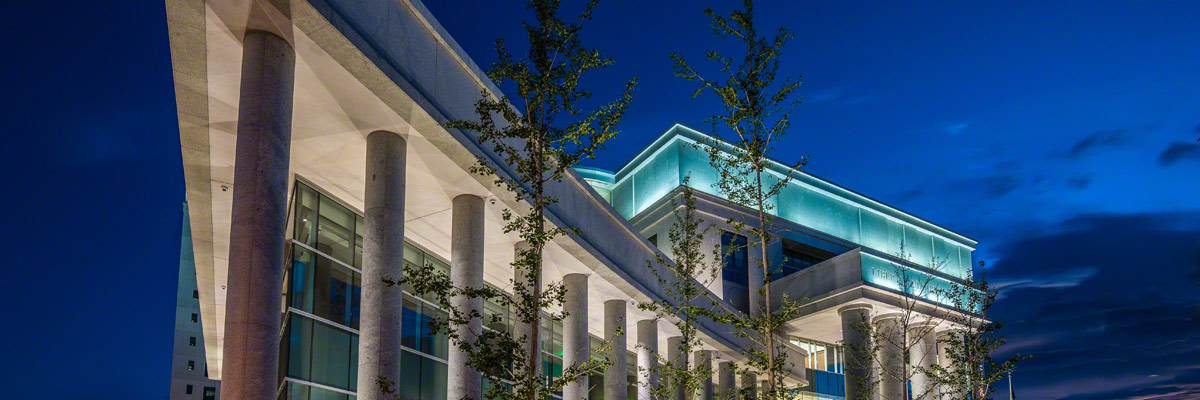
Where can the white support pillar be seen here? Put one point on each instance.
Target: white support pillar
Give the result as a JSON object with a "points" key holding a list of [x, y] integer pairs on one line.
{"points": [[254, 295], [703, 359], [856, 341], [679, 361], [750, 385], [575, 333], [466, 270], [520, 328], [922, 355], [647, 358], [726, 384], [615, 385], [891, 357], [944, 342], [382, 308]]}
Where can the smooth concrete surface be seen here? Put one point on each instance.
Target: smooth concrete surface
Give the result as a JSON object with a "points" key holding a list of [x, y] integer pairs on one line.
{"points": [[856, 341], [726, 384], [466, 270], [944, 340], [254, 294], [647, 358], [750, 384], [523, 331], [575, 334], [615, 375], [922, 355], [891, 357], [703, 359], [382, 307], [679, 361]]}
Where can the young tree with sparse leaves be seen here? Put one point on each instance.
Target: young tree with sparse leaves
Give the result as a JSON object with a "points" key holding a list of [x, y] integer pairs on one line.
{"points": [[538, 135], [684, 297], [971, 368], [757, 106]]}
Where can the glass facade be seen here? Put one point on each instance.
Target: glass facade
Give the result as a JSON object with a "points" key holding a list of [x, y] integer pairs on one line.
{"points": [[823, 370], [319, 346], [806, 200]]}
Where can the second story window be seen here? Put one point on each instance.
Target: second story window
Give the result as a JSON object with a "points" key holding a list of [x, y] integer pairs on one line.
{"points": [[733, 250]]}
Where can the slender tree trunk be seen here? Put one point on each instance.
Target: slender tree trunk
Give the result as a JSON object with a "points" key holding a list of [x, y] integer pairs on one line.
{"points": [[762, 238]]}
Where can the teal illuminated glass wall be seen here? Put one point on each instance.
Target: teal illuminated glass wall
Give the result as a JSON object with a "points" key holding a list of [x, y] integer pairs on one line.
{"points": [[806, 200]]}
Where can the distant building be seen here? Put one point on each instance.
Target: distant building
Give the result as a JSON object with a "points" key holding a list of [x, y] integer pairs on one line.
{"points": [[189, 377]]}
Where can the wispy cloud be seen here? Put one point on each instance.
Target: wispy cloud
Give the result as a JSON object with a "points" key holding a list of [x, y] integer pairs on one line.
{"points": [[1096, 140], [1178, 151], [956, 128], [839, 96]]}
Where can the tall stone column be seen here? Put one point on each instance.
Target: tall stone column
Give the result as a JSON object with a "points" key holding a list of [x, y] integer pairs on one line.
{"points": [[575, 333], [944, 342], [755, 282], [703, 360], [615, 386], [254, 295], [679, 361], [750, 384], [726, 386], [383, 259], [520, 328], [891, 357], [922, 355], [856, 340], [647, 361], [466, 270]]}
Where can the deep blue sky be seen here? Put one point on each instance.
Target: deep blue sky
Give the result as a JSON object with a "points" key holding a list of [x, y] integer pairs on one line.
{"points": [[1060, 135]]}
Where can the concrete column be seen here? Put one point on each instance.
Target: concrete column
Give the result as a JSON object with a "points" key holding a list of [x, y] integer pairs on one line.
{"points": [[383, 259], [922, 355], [575, 333], [755, 281], [520, 328], [891, 357], [466, 269], [679, 361], [750, 385], [615, 386], [726, 387], [944, 340], [254, 294], [856, 340], [647, 358], [703, 359]]}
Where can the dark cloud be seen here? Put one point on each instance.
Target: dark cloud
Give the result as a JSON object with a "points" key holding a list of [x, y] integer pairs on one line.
{"points": [[1178, 151], [1107, 305], [1000, 185], [1098, 139], [1080, 182]]}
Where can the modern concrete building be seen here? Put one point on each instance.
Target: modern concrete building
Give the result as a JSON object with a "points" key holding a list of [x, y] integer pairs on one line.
{"points": [[316, 163], [189, 376]]}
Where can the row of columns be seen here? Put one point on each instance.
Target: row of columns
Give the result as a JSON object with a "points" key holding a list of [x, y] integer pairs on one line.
{"points": [[888, 367], [256, 260]]}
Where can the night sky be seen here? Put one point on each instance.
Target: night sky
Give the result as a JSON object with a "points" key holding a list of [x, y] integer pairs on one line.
{"points": [[1062, 136]]}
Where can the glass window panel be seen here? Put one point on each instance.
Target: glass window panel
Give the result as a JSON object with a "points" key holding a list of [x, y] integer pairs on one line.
{"points": [[335, 230], [358, 241], [299, 354], [433, 380], [330, 356], [410, 324], [305, 221], [436, 345], [335, 291], [301, 277], [410, 366]]}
